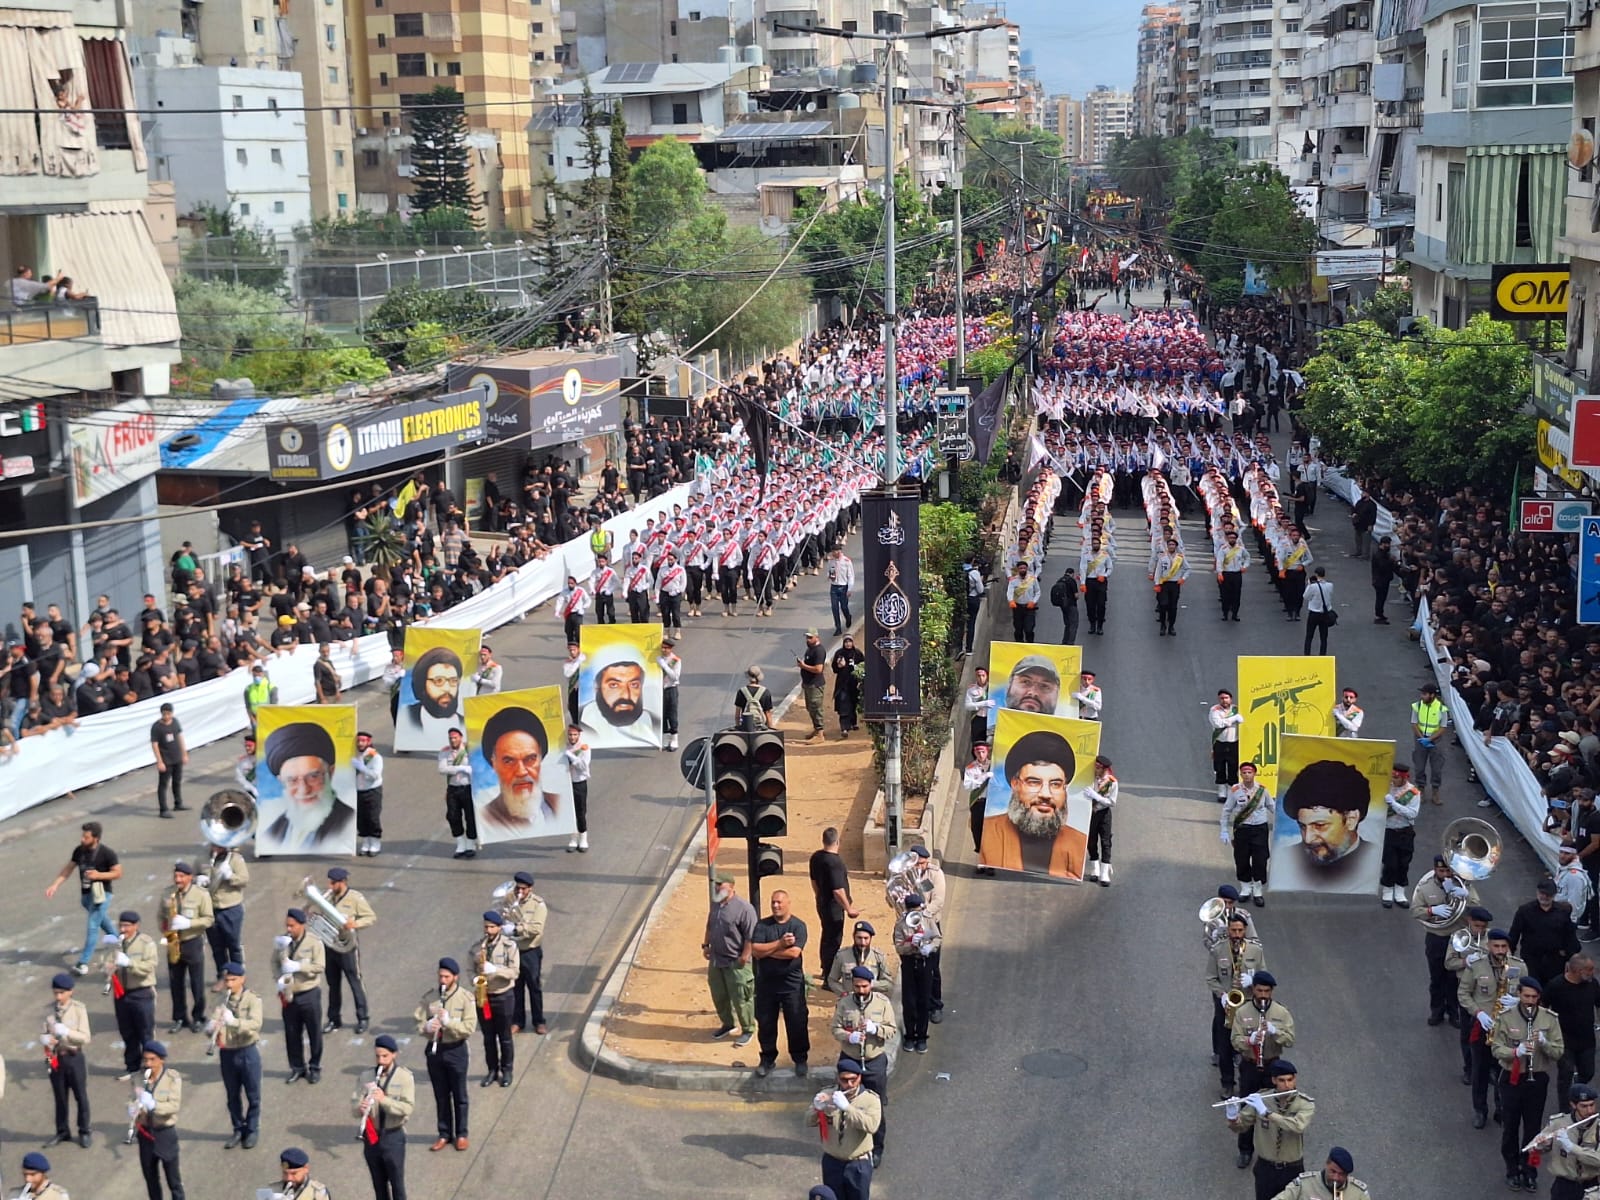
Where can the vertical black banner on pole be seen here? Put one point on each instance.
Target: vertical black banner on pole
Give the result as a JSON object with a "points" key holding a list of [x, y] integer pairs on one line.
{"points": [[891, 593]]}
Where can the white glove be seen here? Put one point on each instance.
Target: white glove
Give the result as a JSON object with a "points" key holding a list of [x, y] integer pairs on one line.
{"points": [[821, 1100], [282, 940], [291, 965], [1225, 838], [871, 1027], [509, 930], [224, 871], [1439, 910], [926, 951], [1565, 1142], [1257, 1103], [1522, 1050], [202, 881], [60, 1030], [283, 983], [1452, 887], [1507, 1003], [179, 922], [855, 1037], [1485, 1020], [228, 1018], [133, 1111], [1474, 957], [1246, 978], [1269, 1027], [110, 939], [432, 1025], [1232, 1110], [147, 1101], [122, 960], [841, 1101]]}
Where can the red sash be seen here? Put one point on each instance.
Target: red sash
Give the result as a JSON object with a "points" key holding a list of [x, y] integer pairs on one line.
{"points": [[606, 576]]}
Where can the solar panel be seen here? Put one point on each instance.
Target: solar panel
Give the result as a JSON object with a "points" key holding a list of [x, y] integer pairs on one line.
{"points": [[769, 131], [631, 72]]}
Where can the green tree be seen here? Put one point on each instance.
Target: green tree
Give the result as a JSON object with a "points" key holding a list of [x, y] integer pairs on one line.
{"points": [[465, 312], [668, 187], [855, 232], [997, 151], [1228, 216], [237, 252], [443, 176], [1387, 307]]}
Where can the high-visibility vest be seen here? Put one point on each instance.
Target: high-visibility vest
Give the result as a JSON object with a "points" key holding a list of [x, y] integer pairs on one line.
{"points": [[598, 541], [258, 692], [1428, 716]]}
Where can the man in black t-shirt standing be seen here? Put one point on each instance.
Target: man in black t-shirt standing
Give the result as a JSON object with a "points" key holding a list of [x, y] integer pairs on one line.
{"points": [[812, 680], [830, 885], [167, 745], [780, 985], [22, 685], [97, 869]]}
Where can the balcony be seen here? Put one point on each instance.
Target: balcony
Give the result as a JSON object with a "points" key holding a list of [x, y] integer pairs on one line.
{"points": [[1238, 100], [31, 323], [1347, 171], [1257, 72], [1397, 114], [1349, 48], [1291, 41]]}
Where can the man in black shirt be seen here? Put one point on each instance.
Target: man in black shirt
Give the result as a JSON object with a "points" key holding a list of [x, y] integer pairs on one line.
{"points": [[812, 679], [188, 665], [90, 695], [1574, 996], [830, 885], [150, 611], [166, 744], [1542, 933], [781, 985], [97, 869], [50, 658], [1586, 835], [213, 664], [22, 685], [119, 638]]}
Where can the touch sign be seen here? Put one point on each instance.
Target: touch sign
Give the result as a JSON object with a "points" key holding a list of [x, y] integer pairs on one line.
{"points": [[1553, 516]]}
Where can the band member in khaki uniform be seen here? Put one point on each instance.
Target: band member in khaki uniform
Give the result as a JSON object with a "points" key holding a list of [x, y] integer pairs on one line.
{"points": [[1431, 902], [497, 960], [929, 875], [1279, 1122], [847, 1114], [297, 1182], [1488, 987], [186, 915], [155, 1122], [384, 1107], [36, 1179], [447, 1018], [916, 939], [225, 876], [66, 1043], [358, 915], [235, 1029], [298, 963], [1232, 963], [1333, 1182], [131, 964], [864, 1026], [526, 913], [860, 953], [1455, 962], [1573, 1155], [1262, 1030], [1527, 1044]]}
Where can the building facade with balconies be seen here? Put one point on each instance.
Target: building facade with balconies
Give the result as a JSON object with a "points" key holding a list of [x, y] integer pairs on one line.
{"points": [[1336, 79], [1491, 151], [1249, 77], [1160, 28], [1574, 372]]}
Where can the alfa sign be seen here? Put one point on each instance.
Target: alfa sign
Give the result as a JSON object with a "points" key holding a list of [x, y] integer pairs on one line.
{"points": [[1553, 516], [112, 449], [1518, 293]]}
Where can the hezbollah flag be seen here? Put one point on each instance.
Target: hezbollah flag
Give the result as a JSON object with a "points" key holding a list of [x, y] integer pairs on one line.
{"points": [[1278, 695], [406, 494]]}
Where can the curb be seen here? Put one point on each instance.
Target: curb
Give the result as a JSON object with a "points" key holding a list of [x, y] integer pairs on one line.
{"points": [[594, 1055]]}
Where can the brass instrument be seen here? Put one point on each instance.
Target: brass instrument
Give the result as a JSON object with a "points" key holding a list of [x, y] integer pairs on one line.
{"points": [[504, 900], [480, 981], [1232, 1001], [1463, 940], [326, 921], [228, 818], [134, 1109], [169, 909], [901, 883], [214, 1027], [1216, 925], [364, 1101], [1472, 848]]}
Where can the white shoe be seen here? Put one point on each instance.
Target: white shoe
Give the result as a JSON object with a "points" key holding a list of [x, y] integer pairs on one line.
{"points": [[672, 742], [1092, 871], [462, 846], [583, 841], [1105, 875], [573, 844], [373, 847], [1246, 890]]}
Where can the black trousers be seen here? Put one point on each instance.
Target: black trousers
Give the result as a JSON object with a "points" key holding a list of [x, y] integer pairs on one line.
{"points": [[761, 586], [696, 591], [528, 993], [340, 968], [669, 711], [136, 1024], [1319, 624], [791, 1003], [158, 1155], [936, 990], [1250, 853], [172, 777], [447, 1072], [1221, 1046], [638, 607], [975, 821], [831, 938], [1100, 835], [1294, 591], [671, 610], [1522, 1113], [1397, 847], [570, 625], [190, 968], [1094, 603], [369, 813], [459, 813], [1567, 1189], [1272, 1178], [1069, 624], [1251, 1079], [1485, 1071], [241, 1082], [848, 1180], [875, 1079], [71, 1075], [1380, 597], [499, 1055], [1441, 983], [386, 1163], [302, 1019], [1225, 762], [1231, 589], [580, 803], [1167, 603], [1576, 1066], [728, 586], [224, 935], [605, 608], [916, 995]]}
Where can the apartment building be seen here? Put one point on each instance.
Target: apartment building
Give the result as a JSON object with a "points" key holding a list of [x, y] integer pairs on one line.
{"points": [[1186, 70], [598, 33], [1107, 116], [402, 49], [1249, 77], [1337, 73], [1154, 94], [76, 428], [1492, 175]]}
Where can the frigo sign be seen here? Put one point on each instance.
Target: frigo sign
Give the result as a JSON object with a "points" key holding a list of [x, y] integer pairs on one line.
{"points": [[1524, 293]]}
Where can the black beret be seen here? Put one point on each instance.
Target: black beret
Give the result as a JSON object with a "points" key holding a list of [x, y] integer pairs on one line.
{"points": [[1041, 746], [299, 740], [512, 720]]}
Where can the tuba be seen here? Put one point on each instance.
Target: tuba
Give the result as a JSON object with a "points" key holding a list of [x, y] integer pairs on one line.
{"points": [[228, 819], [900, 883], [1472, 849], [504, 899], [1210, 915], [327, 922], [1462, 940]]}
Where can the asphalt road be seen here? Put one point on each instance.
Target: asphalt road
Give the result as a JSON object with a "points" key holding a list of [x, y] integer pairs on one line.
{"points": [[428, 905]]}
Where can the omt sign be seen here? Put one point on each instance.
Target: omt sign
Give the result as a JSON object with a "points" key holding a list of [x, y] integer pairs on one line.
{"points": [[1521, 293]]}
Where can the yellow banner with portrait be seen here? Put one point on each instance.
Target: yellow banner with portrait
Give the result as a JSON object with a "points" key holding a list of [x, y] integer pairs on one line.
{"points": [[1034, 677], [517, 748], [439, 667], [619, 686], [1036, 817], [1328, 834], [305, 779], [1278, 695]]}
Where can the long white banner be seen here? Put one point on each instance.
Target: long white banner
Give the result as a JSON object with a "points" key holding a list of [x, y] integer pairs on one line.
{"points": [[110, 744]]}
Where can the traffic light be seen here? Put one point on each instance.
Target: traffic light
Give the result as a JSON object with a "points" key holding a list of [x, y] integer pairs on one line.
{"points": [[769, 788], [768, 860], [730, 783]]}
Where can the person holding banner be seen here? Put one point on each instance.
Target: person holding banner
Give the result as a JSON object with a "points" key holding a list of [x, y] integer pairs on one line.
{"points": [[1401, 804], [458, 809], [1032, 832], [1247, 817], [671, 582], [1101, 795], [300, 756], [515, 745], [1225, 718]]}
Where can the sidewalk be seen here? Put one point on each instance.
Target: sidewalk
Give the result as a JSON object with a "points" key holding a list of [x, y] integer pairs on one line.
{"points": [[653, 1022]]}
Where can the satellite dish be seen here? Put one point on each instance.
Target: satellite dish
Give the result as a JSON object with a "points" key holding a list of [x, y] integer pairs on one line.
{"points": [[1580, 150]]}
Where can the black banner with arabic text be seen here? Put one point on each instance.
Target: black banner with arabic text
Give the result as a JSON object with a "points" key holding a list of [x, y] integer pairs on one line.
{"points": [[891, 593]]}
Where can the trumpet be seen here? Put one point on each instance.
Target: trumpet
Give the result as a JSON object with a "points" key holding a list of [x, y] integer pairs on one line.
{"points": [[1544, 1140], [1232, 1001], [134, 1110], [480, 990]]}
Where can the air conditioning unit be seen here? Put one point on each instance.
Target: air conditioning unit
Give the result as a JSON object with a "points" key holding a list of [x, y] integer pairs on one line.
{"points": [[362, 131]]}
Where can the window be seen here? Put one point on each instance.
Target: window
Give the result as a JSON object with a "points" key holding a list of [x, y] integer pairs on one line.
{"points": [[1463, 71], [849, 26], [1522, 53], [1291, 26], [277, 206], [244, 210], [344, 197], [1444, 75], [410, 65], [549, 160], [694, 16], [238, 102], [538, 56], [680, 114], [1524, 231], [258, 25], [277, 158], [330, 36], [383, 79], [333, 74], [672, 28], [408, 24], [387, 120], [1438, 202], [369, 158], [383, 40], [338, 158], [241, 156], [272, 104], [452, 68], [569, 163], [538, 27], [338, 117]]}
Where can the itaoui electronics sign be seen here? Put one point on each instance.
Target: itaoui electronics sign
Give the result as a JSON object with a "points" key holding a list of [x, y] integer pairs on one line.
{"points": [[347, 446]]}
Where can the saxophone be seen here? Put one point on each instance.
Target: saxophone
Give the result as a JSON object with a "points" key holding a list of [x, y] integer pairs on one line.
{"points": [[480, 981], [169, 909]]}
